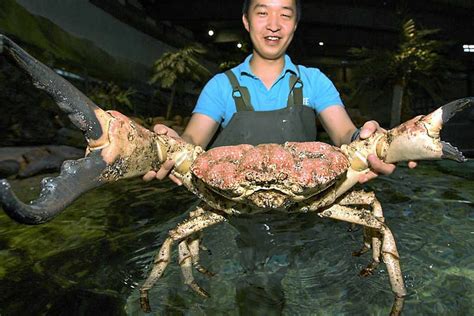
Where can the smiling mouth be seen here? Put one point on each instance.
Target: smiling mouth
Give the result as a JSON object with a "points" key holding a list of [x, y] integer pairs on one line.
{"points": [[272, 38]]}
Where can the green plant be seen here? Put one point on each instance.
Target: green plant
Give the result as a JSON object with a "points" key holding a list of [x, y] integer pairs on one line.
{"points": [[110, 96], [415, 66], [174, 69]]}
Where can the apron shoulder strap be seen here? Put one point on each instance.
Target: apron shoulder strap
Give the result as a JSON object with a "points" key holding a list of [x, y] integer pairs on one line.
{"points": [[295, 98], [240, 94]]}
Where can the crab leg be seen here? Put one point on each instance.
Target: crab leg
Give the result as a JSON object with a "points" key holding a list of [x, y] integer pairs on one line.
{"points": [[117, 147], [194, 245], [389, 249], [198, 220], [188, 251], [186, 264], [372, 238]]}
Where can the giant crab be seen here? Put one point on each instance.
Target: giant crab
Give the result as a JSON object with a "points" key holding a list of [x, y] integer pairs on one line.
{"points": [[230, 180]]}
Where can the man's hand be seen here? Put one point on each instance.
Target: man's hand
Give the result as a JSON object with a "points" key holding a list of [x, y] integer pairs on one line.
{"points": [[377, 166], [167, 165]]}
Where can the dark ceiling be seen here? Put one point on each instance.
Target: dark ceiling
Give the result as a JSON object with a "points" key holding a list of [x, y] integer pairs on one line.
{"points": [[340, 24]]}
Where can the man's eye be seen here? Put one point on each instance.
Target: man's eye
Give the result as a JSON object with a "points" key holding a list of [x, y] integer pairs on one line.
{"points": [[262, 13]]}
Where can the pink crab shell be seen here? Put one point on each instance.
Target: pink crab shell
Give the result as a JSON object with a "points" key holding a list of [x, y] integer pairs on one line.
{"points": [[304, 165]]}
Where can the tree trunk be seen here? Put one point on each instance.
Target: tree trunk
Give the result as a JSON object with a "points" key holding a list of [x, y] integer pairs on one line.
{"points": [[170, 103], [397, 101]]}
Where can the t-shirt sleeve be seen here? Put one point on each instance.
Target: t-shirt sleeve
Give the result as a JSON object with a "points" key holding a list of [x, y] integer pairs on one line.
{"points": [[324, 92], [211, 100]]}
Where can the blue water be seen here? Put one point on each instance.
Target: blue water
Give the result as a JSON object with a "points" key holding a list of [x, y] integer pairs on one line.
{"points": [[92, 259]]}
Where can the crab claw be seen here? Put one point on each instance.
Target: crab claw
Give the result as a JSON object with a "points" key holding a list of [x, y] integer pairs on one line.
{"points": [[419, 138], [73, 102], [56, 193], [117, 147]]}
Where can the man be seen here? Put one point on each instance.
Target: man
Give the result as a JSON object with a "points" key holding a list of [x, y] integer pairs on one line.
{"points": [[266, 75]]}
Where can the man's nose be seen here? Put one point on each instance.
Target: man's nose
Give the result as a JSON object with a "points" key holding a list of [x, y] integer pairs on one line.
{"points": [[273, 22]]}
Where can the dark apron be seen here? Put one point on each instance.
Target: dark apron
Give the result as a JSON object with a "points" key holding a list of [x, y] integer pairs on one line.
{"points": [[295, 122]]}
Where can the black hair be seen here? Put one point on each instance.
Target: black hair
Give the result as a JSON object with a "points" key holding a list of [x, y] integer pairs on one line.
{"points": [[246, 7]]}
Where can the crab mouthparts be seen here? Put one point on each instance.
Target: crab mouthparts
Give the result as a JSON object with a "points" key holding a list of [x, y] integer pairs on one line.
{"points": [[268, 199]]}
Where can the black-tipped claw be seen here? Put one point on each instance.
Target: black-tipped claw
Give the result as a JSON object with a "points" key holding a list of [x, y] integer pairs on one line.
{"points": [[76, 177], [450, 109], [451, 152], [73, 102]]}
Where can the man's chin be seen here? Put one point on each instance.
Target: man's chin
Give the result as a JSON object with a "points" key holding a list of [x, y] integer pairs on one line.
{"points": [[271, 55]]}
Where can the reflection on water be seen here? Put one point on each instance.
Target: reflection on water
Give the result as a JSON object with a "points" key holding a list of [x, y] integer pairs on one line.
{"points": [[92, 258]]}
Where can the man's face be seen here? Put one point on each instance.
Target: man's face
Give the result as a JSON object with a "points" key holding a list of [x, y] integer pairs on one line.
{"points": [[271, 24]]}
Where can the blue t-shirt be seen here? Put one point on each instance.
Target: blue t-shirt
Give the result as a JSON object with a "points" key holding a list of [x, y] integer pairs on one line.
{"points": [[216, 99]]}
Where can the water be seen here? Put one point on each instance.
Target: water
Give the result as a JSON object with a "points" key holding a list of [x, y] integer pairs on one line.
{"points": [[92, 258]]}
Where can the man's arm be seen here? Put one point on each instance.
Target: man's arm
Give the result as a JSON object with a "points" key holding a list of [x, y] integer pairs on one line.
{"points": [[200, 130], [337, 124]]}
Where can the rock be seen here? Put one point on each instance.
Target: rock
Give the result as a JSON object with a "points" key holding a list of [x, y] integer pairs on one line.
{"points": [[70, 137], [8, 168], [471, 115], [47, 159], [36, 154], [34, 160]]}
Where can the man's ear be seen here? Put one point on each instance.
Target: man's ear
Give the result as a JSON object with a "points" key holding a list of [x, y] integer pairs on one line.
{"points": [[246, 22]]}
